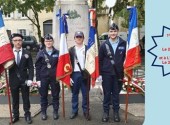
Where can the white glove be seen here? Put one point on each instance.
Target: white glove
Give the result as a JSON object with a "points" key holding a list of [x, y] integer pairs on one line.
{"points": [[39, 84], [29, 82], [99, 79]]}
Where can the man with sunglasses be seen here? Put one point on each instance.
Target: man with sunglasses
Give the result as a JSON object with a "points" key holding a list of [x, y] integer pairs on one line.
{"points": [[46, 62], [78, 55], [111, 58], [20, 78]]}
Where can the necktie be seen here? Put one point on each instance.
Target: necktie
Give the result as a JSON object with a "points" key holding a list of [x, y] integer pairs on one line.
{"points": [[18, 57]]}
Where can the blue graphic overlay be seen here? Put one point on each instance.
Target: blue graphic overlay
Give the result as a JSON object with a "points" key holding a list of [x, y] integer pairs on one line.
{"points": [[161, 51]]}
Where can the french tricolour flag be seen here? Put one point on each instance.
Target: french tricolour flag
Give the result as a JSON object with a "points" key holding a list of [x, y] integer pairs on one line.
{"points": [[92, 60], [64, 68], [6, 53], [133, 58]]}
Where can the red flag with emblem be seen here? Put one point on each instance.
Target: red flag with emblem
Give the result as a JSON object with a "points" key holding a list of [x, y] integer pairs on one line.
{"points": [[6, 53], [64, 68]]}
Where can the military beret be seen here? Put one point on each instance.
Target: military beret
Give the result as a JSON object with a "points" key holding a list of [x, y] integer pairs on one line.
{"points": [[79, 33], [114, 27], [48, 37], [16, 35]]}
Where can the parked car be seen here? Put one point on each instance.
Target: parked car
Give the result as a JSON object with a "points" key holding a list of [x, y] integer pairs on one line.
{"points": [[30, 43]]}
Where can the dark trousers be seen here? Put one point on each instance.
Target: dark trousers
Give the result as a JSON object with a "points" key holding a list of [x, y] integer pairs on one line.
{"points": [[55, 90], [110, 86], [120, 83], [79, 83], [25, 97]]}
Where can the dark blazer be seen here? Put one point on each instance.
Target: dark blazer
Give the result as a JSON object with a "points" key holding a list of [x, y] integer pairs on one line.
{"points": [[25, 70], [72, 54], [105, 65], [41, 66]]}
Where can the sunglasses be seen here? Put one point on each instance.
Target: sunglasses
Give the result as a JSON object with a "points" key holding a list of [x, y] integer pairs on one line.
{"points": [[79, 37]]}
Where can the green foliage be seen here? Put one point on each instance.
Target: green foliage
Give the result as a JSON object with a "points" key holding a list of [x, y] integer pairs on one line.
{"points": [[100, 8], [25, 5], [120, 10], [8, 6]]}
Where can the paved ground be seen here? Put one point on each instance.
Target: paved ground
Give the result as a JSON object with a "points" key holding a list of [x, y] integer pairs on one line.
{"points": [[135, 114]]}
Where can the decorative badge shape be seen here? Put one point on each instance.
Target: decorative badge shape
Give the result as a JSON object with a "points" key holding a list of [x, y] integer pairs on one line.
{"points": [[26, 56], [161, 51], [48, 65], [67, 68]]}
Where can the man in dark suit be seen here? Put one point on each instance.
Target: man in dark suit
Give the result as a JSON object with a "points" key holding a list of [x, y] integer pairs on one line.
{"points": [[20, 78]]}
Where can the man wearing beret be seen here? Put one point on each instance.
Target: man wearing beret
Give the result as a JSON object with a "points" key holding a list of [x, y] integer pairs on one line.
{"points": [[46, 62], [20, 78], [111, 58]]}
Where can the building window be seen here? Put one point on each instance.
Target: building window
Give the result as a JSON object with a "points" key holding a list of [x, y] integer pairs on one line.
{"points": [[23, 15], [8, 16], [22, 31]]}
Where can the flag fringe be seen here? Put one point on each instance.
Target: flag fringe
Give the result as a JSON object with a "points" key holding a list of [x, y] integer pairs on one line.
{"points": [[60, 77], [131, 68]]}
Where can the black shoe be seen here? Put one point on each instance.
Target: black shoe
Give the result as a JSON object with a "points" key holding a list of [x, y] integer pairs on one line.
{"points": [[15, 119], [105, 117], [44, 116], [116, 117], [87, 116], [55, 115], [73, 115], [28, 119]]}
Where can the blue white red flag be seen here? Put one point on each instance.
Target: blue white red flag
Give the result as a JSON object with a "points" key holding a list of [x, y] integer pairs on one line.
{"points": [[64, 68], [133, 58], [6, 53], [92, 60]]}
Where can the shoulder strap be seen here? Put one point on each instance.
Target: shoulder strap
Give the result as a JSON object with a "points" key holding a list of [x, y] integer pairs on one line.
{"points": [[47, 60], [111, 59], [109, 54], [75, 55]]}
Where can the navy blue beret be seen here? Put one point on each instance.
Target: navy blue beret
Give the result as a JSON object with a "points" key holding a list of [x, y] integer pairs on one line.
{"points": [[16, 35], [114, 27], [48, 37]]}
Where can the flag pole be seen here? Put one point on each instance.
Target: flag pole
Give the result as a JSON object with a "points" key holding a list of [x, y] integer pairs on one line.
{"points": [[127, 100], [63, 101], [88, 102], [63, 98], [9, 99]]}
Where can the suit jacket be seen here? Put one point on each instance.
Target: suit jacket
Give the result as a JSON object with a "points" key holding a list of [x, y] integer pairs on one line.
{"points": [[25, 71], [105, 65]]}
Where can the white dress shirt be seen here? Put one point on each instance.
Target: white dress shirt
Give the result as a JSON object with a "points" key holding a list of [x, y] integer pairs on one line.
{"points": [[81, 58], [15, 53]]}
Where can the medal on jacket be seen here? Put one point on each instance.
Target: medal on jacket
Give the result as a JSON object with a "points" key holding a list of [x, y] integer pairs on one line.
{"points": [[48, 65]]}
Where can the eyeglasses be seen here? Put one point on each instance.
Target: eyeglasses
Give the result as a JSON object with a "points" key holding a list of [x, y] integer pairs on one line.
{"points": [[19, 40], [79, 37], [48, 41]]}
